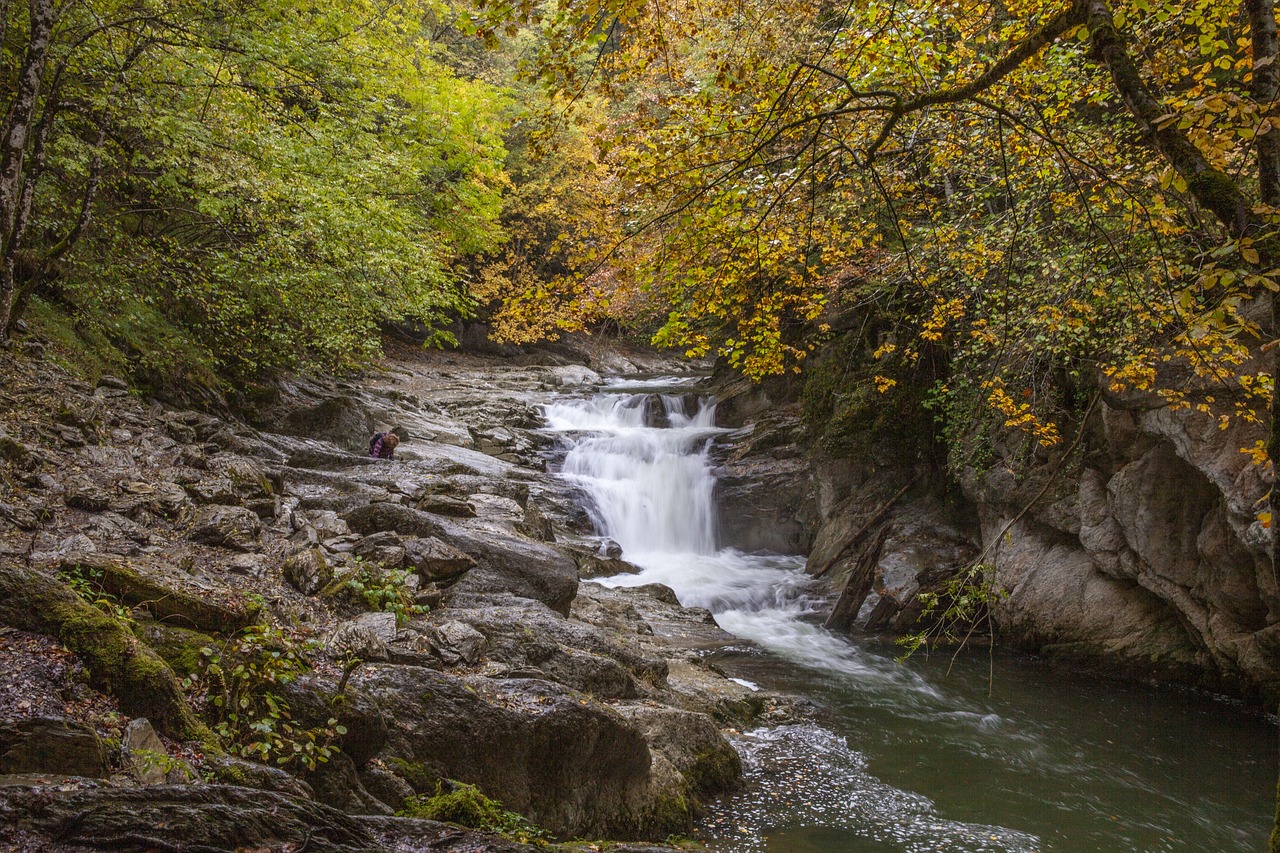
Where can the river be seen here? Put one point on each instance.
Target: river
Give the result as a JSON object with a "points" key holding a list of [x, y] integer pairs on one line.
{"points": [[993, 753]]}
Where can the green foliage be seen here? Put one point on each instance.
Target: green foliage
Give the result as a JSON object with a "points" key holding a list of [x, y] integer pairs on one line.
{"points": [[86, 582], [238, 688], [952, 614], [466, 806], [254, 188], [384, 590]]}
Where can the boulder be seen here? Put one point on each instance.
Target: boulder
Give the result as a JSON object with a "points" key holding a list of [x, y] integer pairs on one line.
{"points": [[249, 774], [147, 759], [692, 746], [446, 505], [561, 759], [528, 636], [364, 638], [456, 642], [504, 563], [193, 817], [229, 526], [344, 421], [13, 449], [83, 493], [51, 745], [308, 571], [384, 548], [434, 560], [142, 583]]}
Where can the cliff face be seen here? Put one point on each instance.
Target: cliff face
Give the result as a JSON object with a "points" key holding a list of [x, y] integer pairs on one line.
{"points": [[1140, 552], [1147, 555]]}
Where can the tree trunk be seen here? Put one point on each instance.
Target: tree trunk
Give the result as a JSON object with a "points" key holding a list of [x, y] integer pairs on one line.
{"points": [[15, 142]]}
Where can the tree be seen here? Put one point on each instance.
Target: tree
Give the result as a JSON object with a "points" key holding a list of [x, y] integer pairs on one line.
{"points": [[263, 181]]}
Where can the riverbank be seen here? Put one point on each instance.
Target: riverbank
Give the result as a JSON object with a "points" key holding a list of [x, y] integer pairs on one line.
{"points": [[387, 632]]}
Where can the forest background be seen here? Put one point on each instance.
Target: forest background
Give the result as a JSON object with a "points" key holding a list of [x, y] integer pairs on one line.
{"points": [[974, 216]]}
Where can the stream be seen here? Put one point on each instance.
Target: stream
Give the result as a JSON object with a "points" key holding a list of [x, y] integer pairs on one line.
{"points": [[989, 753]]}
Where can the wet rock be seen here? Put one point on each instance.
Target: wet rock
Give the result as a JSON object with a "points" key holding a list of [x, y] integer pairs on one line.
{"points": [[322, 458], [564, 761], [446, 505], [692, 746], [229, 526], [14, 450], [308, 571], [344, 421], [82, 493], [457, 642], [384, 548], [213, 490], [249, 479], [336, 783], [326, 523], [504, 564], [144, 583], [250, 774], [364, 638], [386, 786], [528, 634], [51, 745], [20, 515], [194, 817], [592, 566], [249, 565], [434, 560]]}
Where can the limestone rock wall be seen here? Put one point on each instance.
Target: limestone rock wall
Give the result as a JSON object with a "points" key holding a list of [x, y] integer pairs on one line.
{"points": [[1140, 553]]}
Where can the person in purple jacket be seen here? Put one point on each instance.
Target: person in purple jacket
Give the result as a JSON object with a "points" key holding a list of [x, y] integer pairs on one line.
{"points": [[384, 445]]}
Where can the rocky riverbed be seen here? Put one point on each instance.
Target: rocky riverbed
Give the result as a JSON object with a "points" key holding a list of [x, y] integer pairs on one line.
{"points": [[418, 625]]}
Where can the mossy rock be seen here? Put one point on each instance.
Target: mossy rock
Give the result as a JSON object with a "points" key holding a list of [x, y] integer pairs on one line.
{"points": [[117, 577], [669, 814], [180, 647], [714, 771], [118, 662]]}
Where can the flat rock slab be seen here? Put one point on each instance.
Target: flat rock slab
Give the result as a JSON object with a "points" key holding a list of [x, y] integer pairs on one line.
{"points": [[51, 745]]}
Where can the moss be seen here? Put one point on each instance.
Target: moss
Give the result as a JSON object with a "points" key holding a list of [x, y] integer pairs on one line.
{"points": [[179, 647], [714, 771], [669, 815], [467, 806], [118, 578], [416, 774], [117, 661], [846, 414], [464, 805]]}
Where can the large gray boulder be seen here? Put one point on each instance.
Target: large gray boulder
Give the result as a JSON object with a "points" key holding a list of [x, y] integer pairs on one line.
{"points": [[344, 421], [505, 563], [564, 761]]}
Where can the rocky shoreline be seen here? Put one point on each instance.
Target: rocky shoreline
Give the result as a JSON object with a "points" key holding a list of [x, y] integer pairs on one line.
{"points": [[418, 624]]}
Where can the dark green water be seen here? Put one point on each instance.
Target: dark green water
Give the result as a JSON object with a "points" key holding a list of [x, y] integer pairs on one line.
{"points": [[1051, 760]]}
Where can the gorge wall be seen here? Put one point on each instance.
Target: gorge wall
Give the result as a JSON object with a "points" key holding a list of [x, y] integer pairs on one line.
{"points": [[1139, 552]]}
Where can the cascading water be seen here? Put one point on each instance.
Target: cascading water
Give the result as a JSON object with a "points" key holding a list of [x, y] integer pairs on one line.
{"points": [[1046, 762]]}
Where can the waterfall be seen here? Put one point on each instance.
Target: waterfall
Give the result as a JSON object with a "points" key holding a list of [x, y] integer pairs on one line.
{"points": [[642, 455], [652, 488]]}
